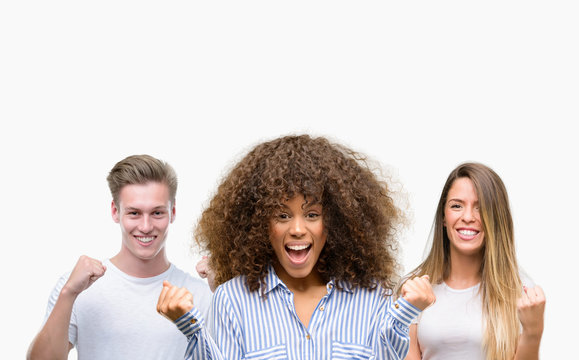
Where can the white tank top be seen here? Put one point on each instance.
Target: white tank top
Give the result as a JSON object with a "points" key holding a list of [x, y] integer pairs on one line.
{"points": [[452, 328]]}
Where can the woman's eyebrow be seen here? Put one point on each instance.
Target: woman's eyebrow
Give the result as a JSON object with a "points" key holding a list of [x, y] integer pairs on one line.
{"points": [[307, 205]]}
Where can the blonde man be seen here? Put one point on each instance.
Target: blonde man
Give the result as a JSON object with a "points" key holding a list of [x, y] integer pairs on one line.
{"points": [[107, 309]]}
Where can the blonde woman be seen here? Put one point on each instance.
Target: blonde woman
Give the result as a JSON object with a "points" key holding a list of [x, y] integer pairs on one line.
{"points": [[485, 307]]}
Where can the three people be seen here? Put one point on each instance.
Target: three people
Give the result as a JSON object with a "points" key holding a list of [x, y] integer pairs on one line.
{"points": [[302, 237], [485, 308], [107, 309]]}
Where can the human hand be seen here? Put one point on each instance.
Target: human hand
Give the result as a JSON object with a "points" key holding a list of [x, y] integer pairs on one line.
{"points": [[174, 301], [531, 307], [418, 292], [205, 271], [86, 271]]}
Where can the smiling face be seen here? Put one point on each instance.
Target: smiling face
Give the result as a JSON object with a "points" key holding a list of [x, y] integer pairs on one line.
{"points": [[144, 213], [462, 218], [297, 235]]}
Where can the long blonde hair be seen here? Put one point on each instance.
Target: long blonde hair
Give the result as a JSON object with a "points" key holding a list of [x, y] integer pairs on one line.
{"points": [[500, 282]]}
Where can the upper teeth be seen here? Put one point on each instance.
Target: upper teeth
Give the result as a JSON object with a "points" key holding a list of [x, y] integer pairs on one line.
{"points": [[297, 247], [146, 239], [467, 232]]}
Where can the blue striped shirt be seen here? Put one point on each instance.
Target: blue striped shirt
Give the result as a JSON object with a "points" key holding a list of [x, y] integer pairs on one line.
{"points": [[348, 323]]}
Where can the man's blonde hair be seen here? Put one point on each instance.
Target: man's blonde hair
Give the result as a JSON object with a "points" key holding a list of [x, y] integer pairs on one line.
{"points": [[141, 169]]}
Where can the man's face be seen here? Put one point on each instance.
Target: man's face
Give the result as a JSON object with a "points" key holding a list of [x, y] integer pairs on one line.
{"points": [[144, 213]]}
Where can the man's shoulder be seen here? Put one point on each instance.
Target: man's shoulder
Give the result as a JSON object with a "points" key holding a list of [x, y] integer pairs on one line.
{"points": [[183, 278]]}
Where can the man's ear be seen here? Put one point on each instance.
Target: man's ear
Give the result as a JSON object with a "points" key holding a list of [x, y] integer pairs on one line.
{"points": [[173, 212], [115, 212]]}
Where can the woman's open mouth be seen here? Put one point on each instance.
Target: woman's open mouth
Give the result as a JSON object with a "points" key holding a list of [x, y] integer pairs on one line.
{"points": [[298, 253]]}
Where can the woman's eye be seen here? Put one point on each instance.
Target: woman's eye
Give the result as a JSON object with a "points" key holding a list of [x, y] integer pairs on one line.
{"points": [[455, 206], [313, 215]]}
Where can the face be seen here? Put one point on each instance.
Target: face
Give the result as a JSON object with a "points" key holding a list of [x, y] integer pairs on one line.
{"points": [[462, 218], [144, 213], [297, 235]]}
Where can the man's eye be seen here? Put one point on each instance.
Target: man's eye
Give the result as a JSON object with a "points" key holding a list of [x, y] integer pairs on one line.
{"points": [[133, 213]]}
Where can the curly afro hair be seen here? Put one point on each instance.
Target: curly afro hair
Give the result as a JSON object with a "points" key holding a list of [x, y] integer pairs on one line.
{"points": [[359, 213]]}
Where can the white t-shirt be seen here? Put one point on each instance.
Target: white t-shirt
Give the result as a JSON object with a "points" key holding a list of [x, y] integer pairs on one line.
{"points": [[116, 317], [452, 328]]}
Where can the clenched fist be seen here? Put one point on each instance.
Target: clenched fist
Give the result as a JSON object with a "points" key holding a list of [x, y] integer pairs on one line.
{"points": [[174, 301], [205, 271], [86, 271], [418, 292], [531, 307]]}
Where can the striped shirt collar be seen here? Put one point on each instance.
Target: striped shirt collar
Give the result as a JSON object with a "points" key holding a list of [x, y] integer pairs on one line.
{"points": [[272, 281]]}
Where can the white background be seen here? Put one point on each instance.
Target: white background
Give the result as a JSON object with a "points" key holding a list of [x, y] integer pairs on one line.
{"points": [[418, 86]]}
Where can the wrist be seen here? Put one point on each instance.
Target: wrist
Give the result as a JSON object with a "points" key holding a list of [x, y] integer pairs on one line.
{"points": [[532, 335], [69, 293], [190, 323]]}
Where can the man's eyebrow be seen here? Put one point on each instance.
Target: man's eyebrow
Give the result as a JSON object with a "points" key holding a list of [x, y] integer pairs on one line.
{"points": [[160, 207]]}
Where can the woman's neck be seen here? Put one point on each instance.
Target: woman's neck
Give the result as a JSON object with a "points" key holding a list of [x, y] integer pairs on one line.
{"points": [[297, 285], [464, 270]]}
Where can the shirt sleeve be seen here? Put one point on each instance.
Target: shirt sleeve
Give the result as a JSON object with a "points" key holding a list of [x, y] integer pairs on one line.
{"points": [[200, 345], [394, 333], [72, 327], [221, 339]]}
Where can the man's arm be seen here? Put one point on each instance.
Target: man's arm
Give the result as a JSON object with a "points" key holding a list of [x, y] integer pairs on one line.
{"points": [[52, 340]]}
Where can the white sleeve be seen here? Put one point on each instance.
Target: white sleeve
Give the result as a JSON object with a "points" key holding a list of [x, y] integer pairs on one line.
{"points": [[525, 278], [72, 328]]}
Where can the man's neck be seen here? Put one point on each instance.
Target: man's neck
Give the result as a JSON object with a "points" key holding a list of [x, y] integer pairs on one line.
{"points": [[141, 268]]}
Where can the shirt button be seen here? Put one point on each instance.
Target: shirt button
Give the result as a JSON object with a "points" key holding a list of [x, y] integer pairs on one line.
{"points": [[396, 306], [322, 308], [308, 336], [193, 321]]}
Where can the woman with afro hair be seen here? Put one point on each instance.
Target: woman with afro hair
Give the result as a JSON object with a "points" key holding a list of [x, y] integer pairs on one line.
{"points": [[302, 237]]}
